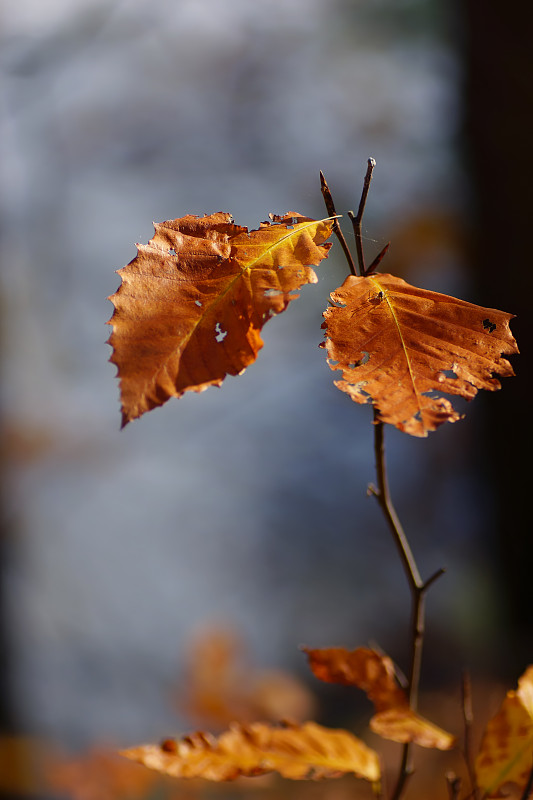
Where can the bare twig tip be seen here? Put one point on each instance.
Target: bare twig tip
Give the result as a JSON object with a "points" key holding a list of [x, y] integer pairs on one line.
{"points": [[378, 259], [433, 578]]}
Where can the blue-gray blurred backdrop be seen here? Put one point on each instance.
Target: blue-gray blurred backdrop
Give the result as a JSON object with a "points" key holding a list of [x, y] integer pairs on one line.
{"points": [[246, 504]]}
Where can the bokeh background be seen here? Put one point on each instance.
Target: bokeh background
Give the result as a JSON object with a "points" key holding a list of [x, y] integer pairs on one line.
{"points": [[245, 506]]}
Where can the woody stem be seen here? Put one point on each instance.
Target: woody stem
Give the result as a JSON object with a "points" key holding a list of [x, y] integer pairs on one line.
{"points": [[357, 219], [417, 586]]}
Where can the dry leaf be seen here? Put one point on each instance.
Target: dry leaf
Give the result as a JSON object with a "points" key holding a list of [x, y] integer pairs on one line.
{"points": [[193, 301], [401, 348], [211, 692], [506, 752], [365, 668], [403, 725], [23, 760], [99, 775], [374, 673], [301, 752]]}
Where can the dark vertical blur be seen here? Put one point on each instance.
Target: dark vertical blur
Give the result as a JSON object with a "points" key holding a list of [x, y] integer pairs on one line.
{"points": [[498, 105]]}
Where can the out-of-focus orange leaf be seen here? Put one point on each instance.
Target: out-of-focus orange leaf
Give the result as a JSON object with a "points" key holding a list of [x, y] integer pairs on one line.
{"points": [[402, 348], [365, 668], [22, 443], [220, 686], [99, 775], [374, 673], [279, 695], [506, 752], [306, 752], [403, 725], [193, 301], [211, 691], [21, 765]]}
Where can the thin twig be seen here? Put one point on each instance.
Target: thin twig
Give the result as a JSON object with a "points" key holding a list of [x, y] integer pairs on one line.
{"points": [[383, 496], [356, 220], [433, 578], [330, 206], [468, 720], [378, 259], [417, 586], [454, 785], [404, 773]]}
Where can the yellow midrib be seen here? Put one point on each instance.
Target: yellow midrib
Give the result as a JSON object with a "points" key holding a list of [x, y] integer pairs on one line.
{"points": [[281, 759], [400, 334], [298, 227]]}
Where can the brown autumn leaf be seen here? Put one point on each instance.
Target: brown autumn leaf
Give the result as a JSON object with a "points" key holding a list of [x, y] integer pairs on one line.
{"points": [[306, 752], [193, 301], [506, 751], [403, 725], [365, 668], [23, 761], [374, 673], [99, 775], [212, 691], [401, 348]]}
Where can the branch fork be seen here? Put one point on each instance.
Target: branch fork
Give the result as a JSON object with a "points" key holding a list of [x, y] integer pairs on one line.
{"points": [[417, 586]]}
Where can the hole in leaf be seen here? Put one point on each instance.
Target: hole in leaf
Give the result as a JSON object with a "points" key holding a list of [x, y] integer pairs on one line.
{"points": [[220, 334], [446, 373], [273, 292], [198, 303], [488, 325], [172, 252], [363, 393]]}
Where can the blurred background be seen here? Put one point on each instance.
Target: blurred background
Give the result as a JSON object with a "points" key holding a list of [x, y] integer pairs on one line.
{"points": [[246, 506]]}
